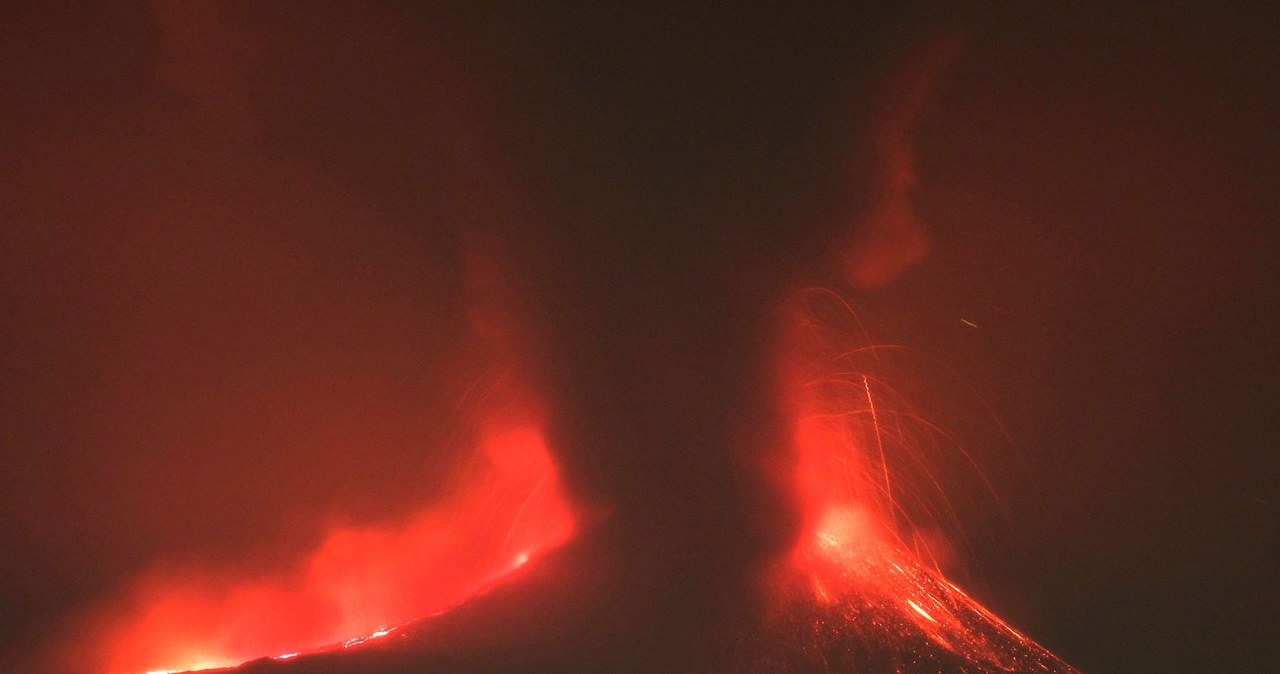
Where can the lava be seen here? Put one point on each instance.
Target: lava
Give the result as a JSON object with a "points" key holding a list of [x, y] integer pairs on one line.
{"points": [[507, 507], [853, 595]]}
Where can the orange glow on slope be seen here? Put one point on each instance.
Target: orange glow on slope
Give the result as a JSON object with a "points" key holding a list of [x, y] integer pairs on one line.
{"points": [[358, 581]]}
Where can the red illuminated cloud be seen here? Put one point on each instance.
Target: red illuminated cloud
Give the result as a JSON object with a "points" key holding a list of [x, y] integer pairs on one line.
{"points": [[889, 237]]}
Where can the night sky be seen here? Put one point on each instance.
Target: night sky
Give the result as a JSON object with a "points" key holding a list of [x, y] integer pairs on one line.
{"points": [[234, 304]]}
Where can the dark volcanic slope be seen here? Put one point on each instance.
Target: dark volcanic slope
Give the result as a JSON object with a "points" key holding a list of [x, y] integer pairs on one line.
{"points": [[876, 611]]}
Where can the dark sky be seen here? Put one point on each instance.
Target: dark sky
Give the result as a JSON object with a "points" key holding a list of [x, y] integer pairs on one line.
{"points": [[231, 253]]}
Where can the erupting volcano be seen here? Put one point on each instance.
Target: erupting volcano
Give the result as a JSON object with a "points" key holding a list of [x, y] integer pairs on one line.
{"points": [[407, 337], [622, 507], [852, 594], [855, 594]]}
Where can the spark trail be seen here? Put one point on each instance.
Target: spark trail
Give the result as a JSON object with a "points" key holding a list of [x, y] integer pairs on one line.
{"points": [[853, 596]]}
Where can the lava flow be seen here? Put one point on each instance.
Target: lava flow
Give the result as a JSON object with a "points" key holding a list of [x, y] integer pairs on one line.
{"points": [[359, 581]]}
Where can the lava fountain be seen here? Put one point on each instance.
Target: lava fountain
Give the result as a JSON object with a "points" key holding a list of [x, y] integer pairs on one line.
{"points": [[858, 593]]}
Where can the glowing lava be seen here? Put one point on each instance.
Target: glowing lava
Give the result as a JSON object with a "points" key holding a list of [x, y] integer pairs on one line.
{"points": [[853, 595], [359, 581]]}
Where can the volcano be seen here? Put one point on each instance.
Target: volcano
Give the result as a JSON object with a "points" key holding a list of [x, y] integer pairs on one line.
{"points": [[424, 336], [876, 610], [847, 595]]}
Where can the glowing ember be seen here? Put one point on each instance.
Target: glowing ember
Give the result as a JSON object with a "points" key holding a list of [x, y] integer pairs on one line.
{"points": [[873, 607]]}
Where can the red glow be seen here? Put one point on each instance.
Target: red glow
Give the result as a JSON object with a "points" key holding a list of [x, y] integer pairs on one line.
{"points": [[358, 581], [889, 237]]}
